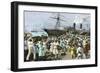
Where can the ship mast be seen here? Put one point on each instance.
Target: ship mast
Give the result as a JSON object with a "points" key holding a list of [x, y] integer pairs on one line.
{"points": [[58, 19]]}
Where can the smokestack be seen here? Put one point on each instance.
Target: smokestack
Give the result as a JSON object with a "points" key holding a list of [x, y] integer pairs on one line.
{"points": [[81, 26], [74, 25]]}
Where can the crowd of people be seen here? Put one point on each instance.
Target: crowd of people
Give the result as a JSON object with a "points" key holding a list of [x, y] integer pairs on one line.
{"points": [[55, 47]]}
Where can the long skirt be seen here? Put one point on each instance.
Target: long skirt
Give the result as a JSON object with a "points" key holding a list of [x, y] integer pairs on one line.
{"points": [[55, 51]]}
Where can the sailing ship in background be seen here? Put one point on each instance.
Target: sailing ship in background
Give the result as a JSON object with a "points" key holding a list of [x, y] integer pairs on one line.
{"points": [[78, 25]]}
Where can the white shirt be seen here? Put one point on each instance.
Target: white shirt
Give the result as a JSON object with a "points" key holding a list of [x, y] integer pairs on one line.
{"points": [[80, 49]]}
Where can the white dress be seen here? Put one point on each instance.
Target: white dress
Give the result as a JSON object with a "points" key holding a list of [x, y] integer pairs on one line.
{"points": [[30, 45], [55, 50], [79, 51], [51, 47]]}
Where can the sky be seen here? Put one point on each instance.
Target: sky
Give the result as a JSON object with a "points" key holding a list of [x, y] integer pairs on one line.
{"points": [[35, 20]]}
